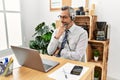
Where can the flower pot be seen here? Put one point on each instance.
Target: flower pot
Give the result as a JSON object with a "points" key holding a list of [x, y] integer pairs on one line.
{"points": [[96, 58], [96, 78]]}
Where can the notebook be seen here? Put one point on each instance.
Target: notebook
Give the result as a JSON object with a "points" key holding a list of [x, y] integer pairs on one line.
{"points": [[31, 58]]}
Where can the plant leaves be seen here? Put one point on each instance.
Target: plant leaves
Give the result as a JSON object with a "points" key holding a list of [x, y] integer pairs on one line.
{"points": [[42, 37], [53, 24], [39, 26], [33, 44]]}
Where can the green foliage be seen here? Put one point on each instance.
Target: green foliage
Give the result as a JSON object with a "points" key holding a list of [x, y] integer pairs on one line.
{"points": [[96, 53], [96, 73], [42, 36]]}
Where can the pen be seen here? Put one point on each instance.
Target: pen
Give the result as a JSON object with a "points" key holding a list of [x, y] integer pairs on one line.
{"points": [[65, 73], [7, 67]]}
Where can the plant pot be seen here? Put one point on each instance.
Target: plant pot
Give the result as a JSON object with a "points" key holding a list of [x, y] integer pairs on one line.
{"points": [[96, 78], [96, 58]]}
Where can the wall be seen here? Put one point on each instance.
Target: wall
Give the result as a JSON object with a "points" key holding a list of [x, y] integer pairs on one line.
{"points": [[36, 11], [108, 10]]}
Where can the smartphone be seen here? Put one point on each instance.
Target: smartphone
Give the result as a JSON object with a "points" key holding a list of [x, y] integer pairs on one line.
{"points": [[76, 70]]}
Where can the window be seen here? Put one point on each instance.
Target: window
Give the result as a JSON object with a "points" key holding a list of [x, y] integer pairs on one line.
{"points": [[10, 24]]}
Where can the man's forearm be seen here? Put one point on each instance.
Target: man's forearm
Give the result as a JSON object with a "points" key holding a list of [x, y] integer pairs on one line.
{"points": [[52, 46]]}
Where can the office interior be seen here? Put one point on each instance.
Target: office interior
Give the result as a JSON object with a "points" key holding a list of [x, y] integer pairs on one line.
{"points": [[35, 11]]}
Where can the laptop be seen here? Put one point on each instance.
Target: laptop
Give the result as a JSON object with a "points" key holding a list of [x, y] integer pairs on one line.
{"points": [[31, 58]]}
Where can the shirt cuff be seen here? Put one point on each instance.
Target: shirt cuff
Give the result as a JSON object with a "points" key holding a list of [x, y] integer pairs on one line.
{"points": [[56, 37], [55, 40]]}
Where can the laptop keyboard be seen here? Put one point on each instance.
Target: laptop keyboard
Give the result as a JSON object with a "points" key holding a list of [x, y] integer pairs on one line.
{"points": [[46, 66]]}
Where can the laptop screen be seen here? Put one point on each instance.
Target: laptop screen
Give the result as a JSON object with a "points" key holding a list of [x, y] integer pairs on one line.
{"points": [[31, 58]]}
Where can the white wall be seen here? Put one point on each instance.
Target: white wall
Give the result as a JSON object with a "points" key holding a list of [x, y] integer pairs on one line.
{"points": [[36, 11]]}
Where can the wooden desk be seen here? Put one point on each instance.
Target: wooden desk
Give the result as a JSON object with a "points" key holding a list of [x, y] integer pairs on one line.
{"points": [[24, 73]]}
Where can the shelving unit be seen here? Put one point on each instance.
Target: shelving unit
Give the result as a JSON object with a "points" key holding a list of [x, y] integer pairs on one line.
{"points": [[89, 23]]}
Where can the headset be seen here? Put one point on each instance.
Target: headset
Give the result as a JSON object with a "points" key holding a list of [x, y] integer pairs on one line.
{"points": [[70, 10], [72, 13]]}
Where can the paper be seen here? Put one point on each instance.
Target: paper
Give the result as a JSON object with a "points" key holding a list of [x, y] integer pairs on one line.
{"points": [[77, 3], [15, 63], [61, 73], [56, 3]]}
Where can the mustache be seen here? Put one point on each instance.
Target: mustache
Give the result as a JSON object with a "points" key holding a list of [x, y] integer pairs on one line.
{"points": [[64, 23]]}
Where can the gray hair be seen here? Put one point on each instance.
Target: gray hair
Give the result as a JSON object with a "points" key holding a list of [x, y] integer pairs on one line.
{"points": [[70, 10]]}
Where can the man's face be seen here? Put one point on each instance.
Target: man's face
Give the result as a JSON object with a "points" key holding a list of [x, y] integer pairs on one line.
{"points": [[65, 17]]}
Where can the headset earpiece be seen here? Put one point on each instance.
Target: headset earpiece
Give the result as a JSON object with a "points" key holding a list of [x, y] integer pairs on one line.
{"points": [[72, 13], [72, 17]]}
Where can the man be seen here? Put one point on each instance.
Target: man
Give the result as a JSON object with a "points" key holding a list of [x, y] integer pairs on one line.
{"points": [[77, 38]]}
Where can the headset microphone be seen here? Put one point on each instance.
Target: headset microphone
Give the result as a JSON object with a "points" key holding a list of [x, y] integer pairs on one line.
{"points": [[65, 25]]}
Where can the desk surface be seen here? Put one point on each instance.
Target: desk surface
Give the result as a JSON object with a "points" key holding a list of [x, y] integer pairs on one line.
{"points": [[24, 73]]}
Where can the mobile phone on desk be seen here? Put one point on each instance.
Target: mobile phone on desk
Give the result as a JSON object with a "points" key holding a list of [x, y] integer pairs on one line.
{"points": [[76, 70]]}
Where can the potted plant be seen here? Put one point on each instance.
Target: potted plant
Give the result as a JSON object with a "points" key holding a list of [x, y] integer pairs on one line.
{"points": [[96, 54], [96, 74], [42, 37]]}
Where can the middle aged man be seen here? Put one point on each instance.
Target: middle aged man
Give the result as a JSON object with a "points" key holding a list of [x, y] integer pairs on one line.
{"points": [[69, 39]]}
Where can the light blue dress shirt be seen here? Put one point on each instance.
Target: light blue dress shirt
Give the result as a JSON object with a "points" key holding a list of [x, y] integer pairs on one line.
{"points": [[75, 48]]}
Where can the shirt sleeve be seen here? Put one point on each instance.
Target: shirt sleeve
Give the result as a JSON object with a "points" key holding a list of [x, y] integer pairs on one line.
{"points": [[53, 44], [80, 50]]}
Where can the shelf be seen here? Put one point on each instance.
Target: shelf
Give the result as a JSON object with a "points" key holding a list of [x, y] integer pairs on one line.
{"points": [[99, 42], [84, 16], [82, 19], [96, 63], [87, 21], [89, 24], [82, 23]]}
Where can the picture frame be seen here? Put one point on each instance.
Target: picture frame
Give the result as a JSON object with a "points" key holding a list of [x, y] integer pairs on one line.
{"points": [[55, 5]]}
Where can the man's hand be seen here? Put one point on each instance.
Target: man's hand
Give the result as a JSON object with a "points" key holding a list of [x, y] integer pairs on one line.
{"points": [[61, 30], [56, 52]]}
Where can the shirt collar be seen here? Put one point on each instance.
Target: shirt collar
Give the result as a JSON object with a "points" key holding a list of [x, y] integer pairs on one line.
{"points": [[72, 28]]}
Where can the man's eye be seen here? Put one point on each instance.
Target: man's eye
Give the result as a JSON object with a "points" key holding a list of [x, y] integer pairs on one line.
{"points": [[63, 16]]}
